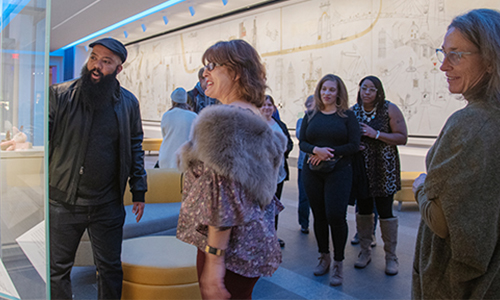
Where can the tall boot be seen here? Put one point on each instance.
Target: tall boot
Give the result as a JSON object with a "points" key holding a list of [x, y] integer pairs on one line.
{"points": [[364, 225], [389, 228], [324, 264]]}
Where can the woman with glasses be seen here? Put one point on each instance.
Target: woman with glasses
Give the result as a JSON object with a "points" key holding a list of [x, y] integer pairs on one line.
{"points": [[383, 127], [231, 165], [329, 135], [457, 253]]}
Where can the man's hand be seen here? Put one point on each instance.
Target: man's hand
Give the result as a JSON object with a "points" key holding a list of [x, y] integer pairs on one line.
{"points": [[138, 210]]}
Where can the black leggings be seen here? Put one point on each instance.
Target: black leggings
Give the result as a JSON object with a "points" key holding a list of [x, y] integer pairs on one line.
{"points": [[328, 195], [384, 206]]}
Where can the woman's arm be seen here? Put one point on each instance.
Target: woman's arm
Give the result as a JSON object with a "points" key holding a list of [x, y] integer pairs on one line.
{"points": [[353, 134], [399, 131], [431, 211], [214, 270], [289, 145]]}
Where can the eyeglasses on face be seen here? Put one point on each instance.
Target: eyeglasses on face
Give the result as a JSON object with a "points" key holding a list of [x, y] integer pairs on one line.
{"points": [[211, 66], [453, 56], [365, 89]]}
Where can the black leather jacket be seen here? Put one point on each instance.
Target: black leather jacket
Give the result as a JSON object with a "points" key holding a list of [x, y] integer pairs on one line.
{"points": [[69, 127]]}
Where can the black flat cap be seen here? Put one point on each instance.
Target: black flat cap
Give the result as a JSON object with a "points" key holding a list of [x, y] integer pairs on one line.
{"points": [[114, 45]]}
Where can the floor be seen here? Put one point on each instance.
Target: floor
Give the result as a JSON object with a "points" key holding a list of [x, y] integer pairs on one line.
{"points": [[294, 279]]}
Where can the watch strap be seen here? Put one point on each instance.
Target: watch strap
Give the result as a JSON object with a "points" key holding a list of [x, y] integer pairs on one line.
{"points": [[214, 251]]}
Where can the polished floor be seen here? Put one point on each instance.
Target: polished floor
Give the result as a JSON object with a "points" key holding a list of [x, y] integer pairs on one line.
{"points": [[295, 280]]}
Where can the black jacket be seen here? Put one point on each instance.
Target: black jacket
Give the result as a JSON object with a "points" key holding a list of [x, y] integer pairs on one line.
{"points": [[69, 127], [289, 145]]}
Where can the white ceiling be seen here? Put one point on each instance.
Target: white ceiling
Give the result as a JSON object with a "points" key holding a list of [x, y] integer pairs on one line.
{"points": [[72, 20]]}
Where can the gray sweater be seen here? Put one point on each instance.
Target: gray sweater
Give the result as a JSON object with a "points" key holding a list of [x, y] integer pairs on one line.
{"points": [[463, 174]]}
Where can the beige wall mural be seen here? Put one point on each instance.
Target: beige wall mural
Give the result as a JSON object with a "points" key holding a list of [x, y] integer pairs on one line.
{"points": [[301, 41]]}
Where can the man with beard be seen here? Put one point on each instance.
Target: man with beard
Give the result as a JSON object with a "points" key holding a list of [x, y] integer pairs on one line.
{"points": [[197, 98], [95, 145]]}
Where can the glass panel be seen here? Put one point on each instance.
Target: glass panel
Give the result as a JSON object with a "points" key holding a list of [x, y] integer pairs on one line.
{"points": [[23, 194]]}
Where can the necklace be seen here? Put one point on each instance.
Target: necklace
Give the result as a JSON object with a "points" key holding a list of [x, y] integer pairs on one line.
{"points": [[367, 116]]}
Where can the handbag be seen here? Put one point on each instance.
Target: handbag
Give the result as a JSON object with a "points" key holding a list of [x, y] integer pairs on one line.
{"points": [[325, 166]]}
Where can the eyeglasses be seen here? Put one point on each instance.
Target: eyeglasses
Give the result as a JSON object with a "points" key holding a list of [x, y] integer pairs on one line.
{"points": [[211, 66], [453, 56], [370, 90]]}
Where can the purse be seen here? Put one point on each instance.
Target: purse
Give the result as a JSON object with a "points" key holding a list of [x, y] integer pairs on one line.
{"points": [[325, 166]]}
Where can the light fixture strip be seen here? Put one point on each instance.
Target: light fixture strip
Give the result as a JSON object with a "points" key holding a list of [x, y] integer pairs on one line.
{"points": [[143, 14]]}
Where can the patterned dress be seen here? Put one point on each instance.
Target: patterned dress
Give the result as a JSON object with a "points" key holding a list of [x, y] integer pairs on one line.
{"points": [[381, 160], [212, 199]]}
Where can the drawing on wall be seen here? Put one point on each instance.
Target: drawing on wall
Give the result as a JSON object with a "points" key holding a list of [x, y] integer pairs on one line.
{"points": [[302, 41]]}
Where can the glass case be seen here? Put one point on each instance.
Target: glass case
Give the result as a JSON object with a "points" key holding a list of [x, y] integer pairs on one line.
{"points": [[23, 194]]}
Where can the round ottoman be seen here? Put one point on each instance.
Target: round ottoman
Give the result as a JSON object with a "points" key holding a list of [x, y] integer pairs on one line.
{"points": [[159, 267], [406, 192]]}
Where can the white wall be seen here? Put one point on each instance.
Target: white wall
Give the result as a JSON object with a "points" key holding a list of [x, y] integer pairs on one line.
{"points": [[301, 41]]}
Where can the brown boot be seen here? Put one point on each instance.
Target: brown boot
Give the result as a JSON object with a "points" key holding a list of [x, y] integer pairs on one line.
{"points": [[364, 225], [323, 265], [389, 229], [336, 277]]}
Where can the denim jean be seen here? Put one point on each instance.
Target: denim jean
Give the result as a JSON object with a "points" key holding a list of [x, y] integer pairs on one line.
{"points": [[104, 224], [303, 209]]}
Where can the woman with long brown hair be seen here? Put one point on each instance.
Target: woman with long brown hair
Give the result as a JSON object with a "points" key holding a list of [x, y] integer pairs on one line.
{"points": [[329, 135]]}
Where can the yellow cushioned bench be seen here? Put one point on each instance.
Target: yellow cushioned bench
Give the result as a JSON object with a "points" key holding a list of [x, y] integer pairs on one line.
{"points": [[159, 267], [151, 144], [406, 193]]}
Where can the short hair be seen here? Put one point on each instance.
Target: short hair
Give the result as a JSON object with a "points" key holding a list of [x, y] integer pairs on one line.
{"points": [[310, 98], [482, 28], [181, 106], [200, 73], [380, 97], [243, 59], [342, 101]]}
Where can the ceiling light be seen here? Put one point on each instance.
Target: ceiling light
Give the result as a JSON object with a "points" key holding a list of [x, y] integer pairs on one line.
{"points": [[143, 14]]}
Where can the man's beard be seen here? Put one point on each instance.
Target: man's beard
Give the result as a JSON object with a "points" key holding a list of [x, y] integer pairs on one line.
{"points": [[97, 94]]}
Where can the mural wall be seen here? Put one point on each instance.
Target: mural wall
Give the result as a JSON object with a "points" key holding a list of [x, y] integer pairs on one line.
{"points": [[301, 41]]}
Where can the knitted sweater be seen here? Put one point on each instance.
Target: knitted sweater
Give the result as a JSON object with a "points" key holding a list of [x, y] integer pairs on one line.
{"points": [[462, 168]]}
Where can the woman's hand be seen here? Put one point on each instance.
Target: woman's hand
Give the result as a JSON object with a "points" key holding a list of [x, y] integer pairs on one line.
{"points": [[368, 131], [212, 278], [418, 181], [313, 160], [323, 153]]}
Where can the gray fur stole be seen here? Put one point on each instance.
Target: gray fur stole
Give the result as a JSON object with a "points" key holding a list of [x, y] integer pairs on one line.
{"points": [[237, 144]]}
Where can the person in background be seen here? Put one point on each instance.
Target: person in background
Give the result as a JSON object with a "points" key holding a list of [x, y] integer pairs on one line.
{"points": [[457, 252], [330, 133], [303, 209], [95, 146], [175, 127], [231, 165], [267, 110], [197, 98], [383, 127]]}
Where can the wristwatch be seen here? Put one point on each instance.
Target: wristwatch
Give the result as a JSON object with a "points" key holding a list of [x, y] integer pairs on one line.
{"points": [[214, 251]]}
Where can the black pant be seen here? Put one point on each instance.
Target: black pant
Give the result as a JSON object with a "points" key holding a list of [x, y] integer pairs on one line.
{"points": [[328, 195], [279, 191], [104, 224], [383, 205]]}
